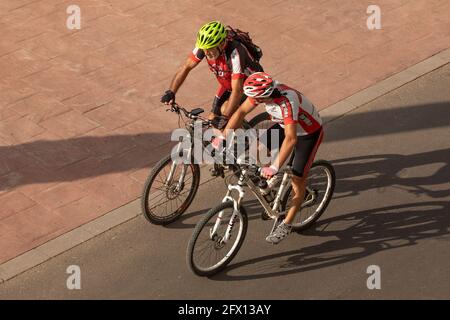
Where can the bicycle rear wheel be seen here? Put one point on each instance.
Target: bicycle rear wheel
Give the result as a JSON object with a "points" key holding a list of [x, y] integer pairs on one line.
{"points": [[261, 121], [321, 182], [208, 251], [164, 201]]}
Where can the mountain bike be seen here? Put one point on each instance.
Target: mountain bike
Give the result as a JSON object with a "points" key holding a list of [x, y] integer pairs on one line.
{"points": [[218, 237], [171, 187]]}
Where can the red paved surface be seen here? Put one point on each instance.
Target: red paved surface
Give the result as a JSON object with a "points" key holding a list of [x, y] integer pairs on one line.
{"points": [[80, 122]]}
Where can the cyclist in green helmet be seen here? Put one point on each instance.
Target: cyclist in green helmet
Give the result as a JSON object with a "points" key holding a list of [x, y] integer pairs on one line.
{"points": [[211, 35], [228, 59]]}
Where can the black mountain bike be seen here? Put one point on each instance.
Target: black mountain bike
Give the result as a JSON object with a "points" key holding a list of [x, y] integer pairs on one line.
{"points": [[171, 187]]}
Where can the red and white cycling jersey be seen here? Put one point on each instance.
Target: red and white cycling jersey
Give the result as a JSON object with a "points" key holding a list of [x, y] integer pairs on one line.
{"points": [[236, 62], [293, 107]]}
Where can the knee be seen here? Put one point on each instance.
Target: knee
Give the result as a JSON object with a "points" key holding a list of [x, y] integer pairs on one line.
{"points": [[223, 107]]}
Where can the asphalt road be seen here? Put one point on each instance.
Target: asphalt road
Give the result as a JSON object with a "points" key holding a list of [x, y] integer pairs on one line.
{"points": [[390, 209]]}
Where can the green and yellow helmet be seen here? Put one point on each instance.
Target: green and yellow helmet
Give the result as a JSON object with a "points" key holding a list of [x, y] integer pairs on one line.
{"points": [[211, 35]]}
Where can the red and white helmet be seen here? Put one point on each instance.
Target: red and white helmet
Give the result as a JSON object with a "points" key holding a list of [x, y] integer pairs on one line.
{"points": [[259, 85]]}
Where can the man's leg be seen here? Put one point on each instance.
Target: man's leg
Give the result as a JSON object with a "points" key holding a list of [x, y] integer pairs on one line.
{"points": [[221, 97], [305, 151], [285, 227], [225, 103], [224, 106], [299, 189]]}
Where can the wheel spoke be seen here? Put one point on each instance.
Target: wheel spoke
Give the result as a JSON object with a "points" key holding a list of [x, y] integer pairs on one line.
{"points": [[158, 197], [162, 200], [208, 254]]}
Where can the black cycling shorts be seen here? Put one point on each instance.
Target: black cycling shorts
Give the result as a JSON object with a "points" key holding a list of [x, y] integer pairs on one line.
{"points": [[304, 151], [222, 95]]}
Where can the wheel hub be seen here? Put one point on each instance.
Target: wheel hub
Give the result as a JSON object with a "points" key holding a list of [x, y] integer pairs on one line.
{"points": [[172, 191], [218, 242]]}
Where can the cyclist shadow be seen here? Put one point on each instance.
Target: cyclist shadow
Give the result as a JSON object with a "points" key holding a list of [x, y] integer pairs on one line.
{"points": [[359, 174], [354, 236]]}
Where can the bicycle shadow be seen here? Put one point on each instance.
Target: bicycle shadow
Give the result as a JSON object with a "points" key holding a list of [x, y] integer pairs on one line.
{"points": [[40, 160], [354, 236], [377, 172], [359, 174]]}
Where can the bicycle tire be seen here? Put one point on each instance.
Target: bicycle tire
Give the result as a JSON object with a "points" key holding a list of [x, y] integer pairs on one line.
{"points": [[174, 215], [264, 116], [199, 227]]}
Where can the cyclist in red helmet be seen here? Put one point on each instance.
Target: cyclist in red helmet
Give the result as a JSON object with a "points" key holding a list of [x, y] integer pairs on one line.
{"points": [[300, 132]]}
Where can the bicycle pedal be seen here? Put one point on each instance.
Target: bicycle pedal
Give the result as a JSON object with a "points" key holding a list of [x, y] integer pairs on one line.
{"points": [[265, 216], [217, 173], [214, 173]]}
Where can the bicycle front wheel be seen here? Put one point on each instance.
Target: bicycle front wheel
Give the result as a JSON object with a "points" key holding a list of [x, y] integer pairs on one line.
{"points": [[217, 239], [169, 191]]}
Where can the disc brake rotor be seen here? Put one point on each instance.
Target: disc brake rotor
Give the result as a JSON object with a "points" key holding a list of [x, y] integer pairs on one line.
{"points": [[173, 192], [218, 242]]}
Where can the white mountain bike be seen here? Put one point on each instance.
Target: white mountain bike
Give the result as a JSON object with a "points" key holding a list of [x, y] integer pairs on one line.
{"points": [[218, 237]]}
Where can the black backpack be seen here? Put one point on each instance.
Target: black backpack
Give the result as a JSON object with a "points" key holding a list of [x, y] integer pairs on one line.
{"points": [[244, 38]]}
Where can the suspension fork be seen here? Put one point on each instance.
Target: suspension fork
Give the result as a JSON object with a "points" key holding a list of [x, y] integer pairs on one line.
{"points": [[174, 166], [236, 203], [180, 184]]}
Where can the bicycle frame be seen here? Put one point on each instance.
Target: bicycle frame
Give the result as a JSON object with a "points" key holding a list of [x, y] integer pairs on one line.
{"points": [[179, 150], [273, 212]]}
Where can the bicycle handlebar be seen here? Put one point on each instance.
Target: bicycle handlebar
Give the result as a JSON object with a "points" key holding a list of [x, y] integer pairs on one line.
{"points": [[175, 107]]}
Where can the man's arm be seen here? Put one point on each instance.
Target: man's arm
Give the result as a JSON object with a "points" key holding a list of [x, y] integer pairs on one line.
{"points": [[235, 121], [289, 142], [238, 117], [182, 73]]}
